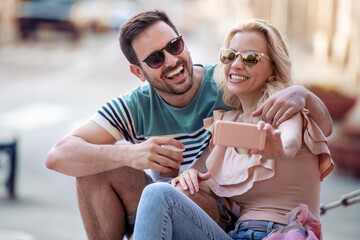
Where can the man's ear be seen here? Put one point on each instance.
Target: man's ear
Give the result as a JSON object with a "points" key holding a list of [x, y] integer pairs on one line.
{"points": [[138, 72]]}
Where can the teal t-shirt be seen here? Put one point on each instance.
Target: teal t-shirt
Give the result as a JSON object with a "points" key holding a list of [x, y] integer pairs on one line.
{"points": [[143, 114]]}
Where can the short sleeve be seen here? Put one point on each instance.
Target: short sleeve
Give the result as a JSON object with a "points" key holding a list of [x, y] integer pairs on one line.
{"points": [[317, 143]]}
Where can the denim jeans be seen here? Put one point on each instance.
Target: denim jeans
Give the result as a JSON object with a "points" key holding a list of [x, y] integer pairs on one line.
{"points": [[166, 213], [253, 230]]}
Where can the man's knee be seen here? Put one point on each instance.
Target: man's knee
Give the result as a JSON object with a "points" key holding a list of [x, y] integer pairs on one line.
{"points": [[83, 183], [91, 181], [121, 176]]}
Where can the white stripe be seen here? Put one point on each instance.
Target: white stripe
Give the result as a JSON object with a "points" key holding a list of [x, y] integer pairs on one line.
{"points": [[125, 121], [188, 134], [130, 126]]}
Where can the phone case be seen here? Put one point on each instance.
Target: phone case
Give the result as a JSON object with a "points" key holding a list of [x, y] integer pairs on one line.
{"points": [[237, 134]]}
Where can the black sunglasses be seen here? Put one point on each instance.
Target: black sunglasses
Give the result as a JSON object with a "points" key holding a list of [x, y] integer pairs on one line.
{"points": [[157, 58], [248, 58]]}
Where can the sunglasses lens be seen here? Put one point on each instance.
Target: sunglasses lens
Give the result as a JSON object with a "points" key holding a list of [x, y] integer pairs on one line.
{"points": [[227, 56], [250, 59], [155, 60], [176, 46]]}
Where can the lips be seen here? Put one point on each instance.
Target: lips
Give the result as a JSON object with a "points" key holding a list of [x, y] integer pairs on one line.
{"points": [[237, 78]]}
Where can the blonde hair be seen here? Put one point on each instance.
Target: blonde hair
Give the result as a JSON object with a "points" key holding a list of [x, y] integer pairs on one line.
{"points": [[278, 53]]}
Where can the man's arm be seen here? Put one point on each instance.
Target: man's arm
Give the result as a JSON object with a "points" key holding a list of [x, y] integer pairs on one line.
{"points": [[319, 112], [285, 103], [90, 149]]}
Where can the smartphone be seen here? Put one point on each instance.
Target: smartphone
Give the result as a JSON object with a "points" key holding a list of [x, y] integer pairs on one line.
{"points": [[237, 134]]}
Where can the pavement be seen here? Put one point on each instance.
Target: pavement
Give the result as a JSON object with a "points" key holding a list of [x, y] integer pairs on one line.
{"points": [[48, 88]]}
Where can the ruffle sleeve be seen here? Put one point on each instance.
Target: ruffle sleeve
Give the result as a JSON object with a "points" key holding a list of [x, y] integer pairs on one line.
{"points": [[317, 144], [234, 173]]}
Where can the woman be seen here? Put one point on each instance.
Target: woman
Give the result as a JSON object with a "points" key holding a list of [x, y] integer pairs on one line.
{"points": [[278, 188]]}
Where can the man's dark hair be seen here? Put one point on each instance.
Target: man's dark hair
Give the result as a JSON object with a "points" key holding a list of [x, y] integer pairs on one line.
{"points": [[137, 24]]}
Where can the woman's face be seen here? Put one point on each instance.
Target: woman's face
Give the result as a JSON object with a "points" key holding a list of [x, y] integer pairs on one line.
{"points": [[245, 82]]}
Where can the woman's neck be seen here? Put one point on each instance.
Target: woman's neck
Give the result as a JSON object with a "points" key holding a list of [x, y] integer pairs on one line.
{"points": [[247, 103]]}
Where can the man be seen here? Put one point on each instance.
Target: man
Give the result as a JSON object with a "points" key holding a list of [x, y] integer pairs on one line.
{"points": [[167, 111]]}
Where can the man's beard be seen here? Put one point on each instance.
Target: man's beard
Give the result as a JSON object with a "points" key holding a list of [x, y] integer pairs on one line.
{"points": [[164, 87]]}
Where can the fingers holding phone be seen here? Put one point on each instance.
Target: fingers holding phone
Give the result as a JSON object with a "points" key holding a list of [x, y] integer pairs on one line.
{"points": [[273, 146]]}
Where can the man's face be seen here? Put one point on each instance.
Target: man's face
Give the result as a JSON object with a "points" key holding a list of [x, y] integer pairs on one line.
{"points": [[174, 76]]}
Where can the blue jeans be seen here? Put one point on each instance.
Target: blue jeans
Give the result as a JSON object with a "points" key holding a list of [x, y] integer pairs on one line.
{"points": [[253, 230], [166, 213]]}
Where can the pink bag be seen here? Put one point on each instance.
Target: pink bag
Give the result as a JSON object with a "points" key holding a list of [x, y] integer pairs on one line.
{"points": [[302, 225]]}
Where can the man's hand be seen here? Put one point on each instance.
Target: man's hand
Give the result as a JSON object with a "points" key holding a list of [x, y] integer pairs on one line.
{"points": [[282, 105], [151, 155], [190, 179]]}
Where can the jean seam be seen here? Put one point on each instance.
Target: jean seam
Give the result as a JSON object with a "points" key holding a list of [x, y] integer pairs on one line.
{"points": [[196, 223], [163, 232], [174, 205]]}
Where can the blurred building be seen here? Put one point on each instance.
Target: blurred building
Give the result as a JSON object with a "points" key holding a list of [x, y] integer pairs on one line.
{"points": [[327, 29]]}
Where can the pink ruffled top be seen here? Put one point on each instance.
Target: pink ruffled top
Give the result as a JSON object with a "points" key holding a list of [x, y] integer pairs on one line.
{"points": [[267, 189]]}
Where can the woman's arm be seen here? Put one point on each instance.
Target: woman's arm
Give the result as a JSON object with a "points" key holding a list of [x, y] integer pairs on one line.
{"points": [[291, 135]]}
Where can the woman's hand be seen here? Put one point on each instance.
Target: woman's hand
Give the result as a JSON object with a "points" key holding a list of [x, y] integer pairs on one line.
{"points": [[273, 144], [190, 179]]}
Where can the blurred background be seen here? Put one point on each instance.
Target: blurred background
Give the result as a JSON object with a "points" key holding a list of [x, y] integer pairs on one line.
{"points": [[60, 61]]}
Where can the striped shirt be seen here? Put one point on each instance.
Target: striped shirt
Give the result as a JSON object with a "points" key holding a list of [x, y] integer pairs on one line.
{"points": [[143, 114]]}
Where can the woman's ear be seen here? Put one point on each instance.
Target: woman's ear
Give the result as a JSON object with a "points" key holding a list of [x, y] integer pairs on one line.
{"points": [[138, 72]]}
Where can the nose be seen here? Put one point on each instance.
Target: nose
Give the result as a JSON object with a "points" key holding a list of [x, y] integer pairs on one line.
{"points": [[170, 60], [238, 63]]}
